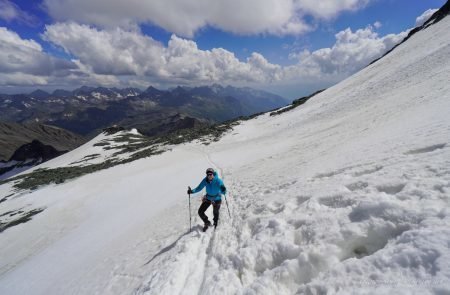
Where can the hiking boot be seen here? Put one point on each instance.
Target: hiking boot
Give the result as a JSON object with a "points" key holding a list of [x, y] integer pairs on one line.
{"points": [[207, 224]]}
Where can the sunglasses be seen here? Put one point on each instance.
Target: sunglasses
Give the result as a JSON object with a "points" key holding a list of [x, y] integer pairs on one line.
{"points": [[209, 174]]}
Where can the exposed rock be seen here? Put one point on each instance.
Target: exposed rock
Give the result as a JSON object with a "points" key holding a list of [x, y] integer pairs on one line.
{"points": [[14, 135], [35, 150], [113, 129]]}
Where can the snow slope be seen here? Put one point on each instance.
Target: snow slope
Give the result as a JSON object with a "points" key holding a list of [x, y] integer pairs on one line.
{"points": [[347, 194]]}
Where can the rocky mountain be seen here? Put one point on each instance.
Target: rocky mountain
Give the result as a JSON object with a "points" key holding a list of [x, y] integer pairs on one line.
{"points": [[40, 94], [35, 150], [86, 110], [62, 92], [25, 145], [14, 135], [27, 156]]}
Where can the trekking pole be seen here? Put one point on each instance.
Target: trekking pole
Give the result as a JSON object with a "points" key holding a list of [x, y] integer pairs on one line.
{"points": [[190, 218], [227, 205]]}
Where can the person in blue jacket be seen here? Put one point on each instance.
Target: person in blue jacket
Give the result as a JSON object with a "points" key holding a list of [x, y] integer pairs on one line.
{"points": [[214, 190]]}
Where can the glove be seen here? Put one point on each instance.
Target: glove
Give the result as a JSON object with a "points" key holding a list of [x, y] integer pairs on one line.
{"points": [[189, 190], [223, 189]]}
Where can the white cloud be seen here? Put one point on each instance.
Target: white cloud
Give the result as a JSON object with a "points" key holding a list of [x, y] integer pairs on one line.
{"points": [[86, 76], [23, 62], [185, 18], [351, 52], [424, 17], [26, 56], [186, 63], [130, 53], [22, 79], [114, 52], [329, 8], [377, 25], [10, 12]]}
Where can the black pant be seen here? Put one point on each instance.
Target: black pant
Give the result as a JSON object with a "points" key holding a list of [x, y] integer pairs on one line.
{"points": [[205, 205]]}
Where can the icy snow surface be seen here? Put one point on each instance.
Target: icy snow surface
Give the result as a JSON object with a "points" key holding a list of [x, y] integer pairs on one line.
{"points": [[347, 194]]}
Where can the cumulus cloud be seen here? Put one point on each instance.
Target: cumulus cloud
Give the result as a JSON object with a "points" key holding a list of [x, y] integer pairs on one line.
{"points": [[84, 75], [424, 17], [24, 63], [21, 59], [120, 52], [185, 62], [11, 12], [329, 8], [185, 18], [351, 52], [117, 52], [22, 79]]}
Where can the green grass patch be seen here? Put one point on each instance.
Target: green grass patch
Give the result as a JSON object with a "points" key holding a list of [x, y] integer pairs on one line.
{"points": [[5, 198], [86, 158]]}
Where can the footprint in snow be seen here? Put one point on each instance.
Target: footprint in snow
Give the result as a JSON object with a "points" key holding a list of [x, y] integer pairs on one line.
{"points": [[336, 201], [427, 149], [367, 171], [356, 186], [391, 188]]}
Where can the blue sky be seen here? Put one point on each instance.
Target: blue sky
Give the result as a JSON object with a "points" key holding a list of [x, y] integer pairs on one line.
{"points": [[289, 47]]}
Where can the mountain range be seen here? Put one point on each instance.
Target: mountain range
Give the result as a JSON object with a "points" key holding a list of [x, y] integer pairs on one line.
{"points": [[87, 110]]}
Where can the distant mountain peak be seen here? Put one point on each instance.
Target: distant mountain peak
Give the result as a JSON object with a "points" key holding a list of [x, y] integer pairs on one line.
{"points": [[86, 88], [180, 90], [217, 86], [39, 94], [62, 92], [83, 89], [151, 88], [152, 91]]}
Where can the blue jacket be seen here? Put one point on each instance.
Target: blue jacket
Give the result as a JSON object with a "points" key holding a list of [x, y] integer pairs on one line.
{"points": [[214, 189]]}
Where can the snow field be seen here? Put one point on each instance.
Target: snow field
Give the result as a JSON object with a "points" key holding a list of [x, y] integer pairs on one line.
{"points": [[360, 229]]}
